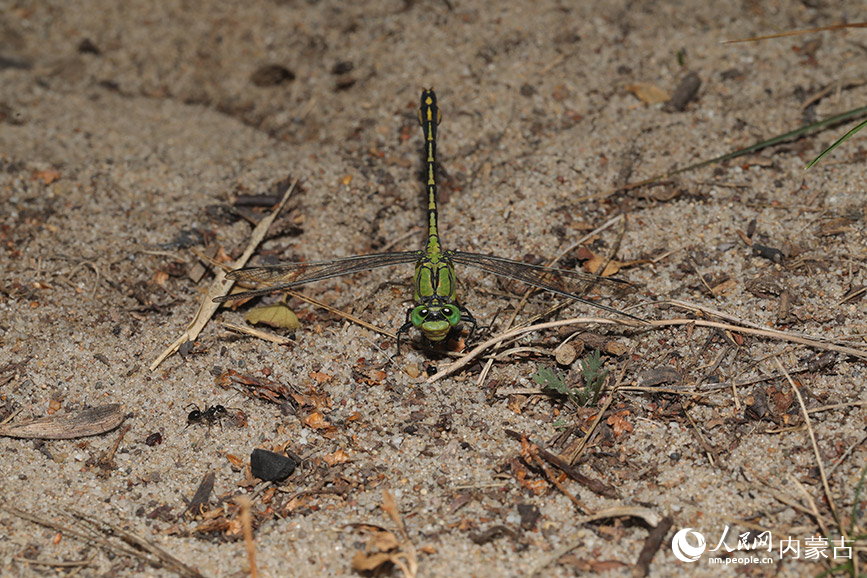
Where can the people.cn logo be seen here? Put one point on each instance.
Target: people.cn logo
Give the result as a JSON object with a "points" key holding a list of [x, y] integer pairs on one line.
{"points": [[683, 551]]}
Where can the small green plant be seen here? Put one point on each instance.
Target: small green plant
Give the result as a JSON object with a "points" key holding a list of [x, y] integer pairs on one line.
{"points": [[594, 379], [849, 567]]}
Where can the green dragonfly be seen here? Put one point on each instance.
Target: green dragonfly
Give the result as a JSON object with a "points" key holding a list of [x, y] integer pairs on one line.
{"points": [[437, 311]]}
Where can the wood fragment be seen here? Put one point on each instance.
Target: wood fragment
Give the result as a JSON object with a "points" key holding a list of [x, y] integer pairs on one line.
{"points": [[252, 331], [651, 546], [220, 285], [828, 495], [593, 485], [247, 525], [89, 422], [201, 497], [101, 533]]}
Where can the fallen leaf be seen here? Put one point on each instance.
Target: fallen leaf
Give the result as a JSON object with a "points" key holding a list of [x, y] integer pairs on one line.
{"points": [[592, 262], [337, 457], [320, 377], [362, 562], [648, 93], [160, 278], [619, 424], [48, 176], [277, 315], [316, 421]]}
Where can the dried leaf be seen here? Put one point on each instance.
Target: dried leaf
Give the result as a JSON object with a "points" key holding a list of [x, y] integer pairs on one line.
{"points": [[320, 377], [88, 422], [619, 424], [316, 421], [337, 457], [277, 315], [648, 93], [390, 507], [160, 278], [362, 562], [384, 541], [47, 176], [592, 262]]}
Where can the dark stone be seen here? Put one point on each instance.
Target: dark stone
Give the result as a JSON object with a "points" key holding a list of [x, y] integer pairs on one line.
{"points": [[271, 466]]}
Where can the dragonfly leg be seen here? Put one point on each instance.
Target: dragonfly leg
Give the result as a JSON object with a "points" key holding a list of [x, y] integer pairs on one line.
{"points": [[404, 329], [467, 317]]}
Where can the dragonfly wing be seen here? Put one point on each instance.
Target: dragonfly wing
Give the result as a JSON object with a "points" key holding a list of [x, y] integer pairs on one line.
{"points": [[288, 275], [572, 284]]}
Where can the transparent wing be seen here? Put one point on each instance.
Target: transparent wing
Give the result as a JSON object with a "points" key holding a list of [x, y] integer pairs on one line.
{"points": [[288, 275], [572, 284]]}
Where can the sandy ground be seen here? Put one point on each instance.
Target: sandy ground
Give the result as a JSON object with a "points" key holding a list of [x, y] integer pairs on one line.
{"points": [[126, 133]]}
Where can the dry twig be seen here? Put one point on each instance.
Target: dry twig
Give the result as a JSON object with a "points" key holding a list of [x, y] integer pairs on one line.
{"points": [[220, 286]]}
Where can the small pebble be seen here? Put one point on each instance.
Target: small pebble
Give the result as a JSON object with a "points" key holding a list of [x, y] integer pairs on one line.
{"points": [[270, 466]]}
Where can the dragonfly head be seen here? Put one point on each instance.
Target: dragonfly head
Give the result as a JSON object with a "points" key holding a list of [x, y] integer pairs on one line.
{"points": [[435, 319]]}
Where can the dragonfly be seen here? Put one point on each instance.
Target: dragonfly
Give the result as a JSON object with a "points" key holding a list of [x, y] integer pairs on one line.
{"points": [[437, 312]]}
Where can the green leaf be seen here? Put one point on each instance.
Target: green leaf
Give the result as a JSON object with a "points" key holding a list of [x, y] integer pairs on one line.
{"points": [[840, 141], [548, 378]]}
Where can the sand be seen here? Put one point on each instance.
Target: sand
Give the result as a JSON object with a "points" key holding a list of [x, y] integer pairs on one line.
{"points": [[127, 131]]}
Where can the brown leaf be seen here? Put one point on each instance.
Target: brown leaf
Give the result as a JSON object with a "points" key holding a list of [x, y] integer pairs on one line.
{"points": [[384, 541], [648, 93], [337, 457], [592, 262], [47, 176], [362, 562], [390, 507], [619, 424], [320, 377], [316, 421]]}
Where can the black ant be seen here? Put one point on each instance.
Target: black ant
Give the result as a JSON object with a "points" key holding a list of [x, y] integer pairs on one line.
{"points": [[210, 416]]}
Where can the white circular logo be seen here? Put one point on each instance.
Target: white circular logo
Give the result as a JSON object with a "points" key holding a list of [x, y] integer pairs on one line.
{"points": [[681, 548]]}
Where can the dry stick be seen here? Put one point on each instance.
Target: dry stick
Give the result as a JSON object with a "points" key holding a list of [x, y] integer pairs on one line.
{"points": [[258, 333], [798, 32], [477, 350], [343, 314], [135, 540], [54, 563], [650, 517], [773, 333], [247, 525], [595, 486], [573, 455], [828, 494], [553, 479], [651, 546], [531, 290], [220, 286], [711, 453], [86, 536], [733, 319], [813, 510]]}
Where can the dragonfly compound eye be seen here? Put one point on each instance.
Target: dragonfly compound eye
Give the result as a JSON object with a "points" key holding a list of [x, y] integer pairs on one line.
{"points": [[418, 316], [452, 315]]}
